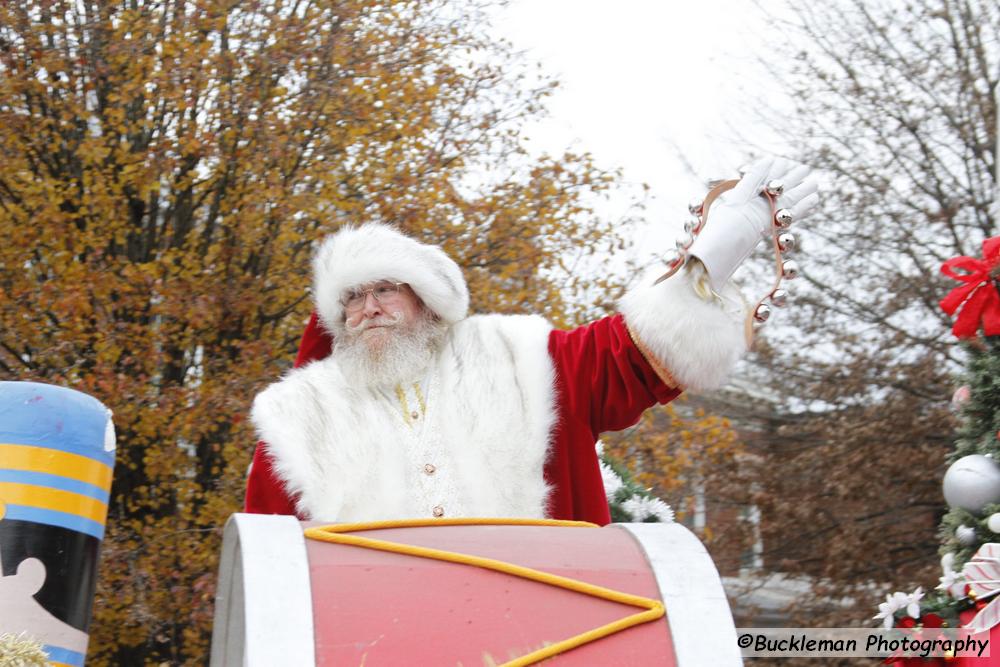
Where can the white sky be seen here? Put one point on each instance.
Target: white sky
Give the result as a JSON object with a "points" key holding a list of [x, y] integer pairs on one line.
{"points": [[644, 82]]}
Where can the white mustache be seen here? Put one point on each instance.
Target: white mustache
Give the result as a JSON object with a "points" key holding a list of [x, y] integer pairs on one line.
{"points": [[391, 321]]}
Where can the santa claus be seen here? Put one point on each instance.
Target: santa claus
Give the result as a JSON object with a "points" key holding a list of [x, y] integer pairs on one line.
{"points": [[404, 406]]}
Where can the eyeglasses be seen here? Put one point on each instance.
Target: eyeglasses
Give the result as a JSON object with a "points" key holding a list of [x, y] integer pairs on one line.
{"points": [[354, 300]]}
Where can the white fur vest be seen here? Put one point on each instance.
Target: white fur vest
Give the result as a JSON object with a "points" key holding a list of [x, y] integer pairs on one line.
{"points": [[491, 414]]}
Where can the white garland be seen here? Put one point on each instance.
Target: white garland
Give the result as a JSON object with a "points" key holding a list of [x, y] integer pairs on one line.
{"points": [[21, 651], [638, 507], [641, 508], [612, 482]]}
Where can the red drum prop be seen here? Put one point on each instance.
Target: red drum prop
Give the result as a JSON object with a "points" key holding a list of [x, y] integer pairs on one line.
{"points": [[286, 599]]}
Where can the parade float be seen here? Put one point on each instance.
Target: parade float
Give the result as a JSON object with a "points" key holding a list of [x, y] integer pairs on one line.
{"points": [[461, 591]]}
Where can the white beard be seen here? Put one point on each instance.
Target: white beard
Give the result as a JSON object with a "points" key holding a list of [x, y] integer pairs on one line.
{"points": [[397, 351]]}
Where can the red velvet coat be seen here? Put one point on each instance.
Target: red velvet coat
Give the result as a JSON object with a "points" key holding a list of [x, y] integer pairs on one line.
{"points": [[603, 383]]}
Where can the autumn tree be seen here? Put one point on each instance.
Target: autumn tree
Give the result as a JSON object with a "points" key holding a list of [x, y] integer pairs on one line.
{"points": [[688, 455], [165, 170], [895, 106]]}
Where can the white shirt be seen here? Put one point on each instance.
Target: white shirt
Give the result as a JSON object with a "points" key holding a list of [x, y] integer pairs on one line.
{"points": [[430, 471]]}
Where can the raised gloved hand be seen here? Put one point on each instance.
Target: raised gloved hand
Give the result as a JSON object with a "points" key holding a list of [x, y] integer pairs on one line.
{"points": [[741, 217]]}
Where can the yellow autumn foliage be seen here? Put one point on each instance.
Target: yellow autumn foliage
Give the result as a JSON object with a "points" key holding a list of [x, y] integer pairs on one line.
{"points": [[674, 445]]}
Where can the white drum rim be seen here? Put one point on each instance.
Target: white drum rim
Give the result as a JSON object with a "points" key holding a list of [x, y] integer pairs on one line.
{"points": [[698, 613], [263, 603]]}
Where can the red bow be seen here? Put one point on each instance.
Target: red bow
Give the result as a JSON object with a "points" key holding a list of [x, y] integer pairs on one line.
{"points": [[978, 298]]}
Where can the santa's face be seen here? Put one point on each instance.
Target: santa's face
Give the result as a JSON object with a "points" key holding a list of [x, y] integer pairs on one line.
{"points": [[382, 303], [389, 336]]}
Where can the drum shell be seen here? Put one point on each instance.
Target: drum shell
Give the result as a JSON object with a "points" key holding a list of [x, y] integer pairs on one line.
{"points": [[375, 608]]}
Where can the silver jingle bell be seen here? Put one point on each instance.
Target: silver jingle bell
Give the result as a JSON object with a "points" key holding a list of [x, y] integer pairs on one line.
{"points": [[786, 241], [673, 258], [692, 225], [775, 188], [779, 298], [685, 240], [762, 313], [782, 218], [789, 269], [695, 206]]}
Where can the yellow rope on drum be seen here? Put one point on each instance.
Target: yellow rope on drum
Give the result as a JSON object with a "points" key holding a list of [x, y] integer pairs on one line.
{"points": [[335, 533]]}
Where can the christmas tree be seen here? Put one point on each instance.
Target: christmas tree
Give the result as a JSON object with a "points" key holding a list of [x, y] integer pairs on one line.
{"points": [[970, 530]]}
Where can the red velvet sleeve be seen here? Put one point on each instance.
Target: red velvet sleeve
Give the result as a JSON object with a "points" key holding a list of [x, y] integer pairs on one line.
{"points": [[266, 493], [603, 384], [603, 377], [315, 344]]}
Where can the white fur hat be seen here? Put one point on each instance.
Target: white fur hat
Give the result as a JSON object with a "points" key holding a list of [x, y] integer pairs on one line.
{"points": [[357, 255]]}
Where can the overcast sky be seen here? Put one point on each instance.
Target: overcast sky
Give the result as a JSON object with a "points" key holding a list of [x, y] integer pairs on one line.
{"points": [[642, 80]]}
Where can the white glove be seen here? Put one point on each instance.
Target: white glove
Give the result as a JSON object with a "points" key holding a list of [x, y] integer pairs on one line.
{"points": [[741, 217]]}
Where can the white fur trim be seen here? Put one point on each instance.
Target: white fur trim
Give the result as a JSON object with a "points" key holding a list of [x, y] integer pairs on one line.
{"points": [[336, 447], [500, 382], [357, 255], [699, 342]]}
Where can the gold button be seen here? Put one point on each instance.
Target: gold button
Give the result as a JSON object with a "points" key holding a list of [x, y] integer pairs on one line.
{"points": [[415, 415], [438, 511], [429, 469]]}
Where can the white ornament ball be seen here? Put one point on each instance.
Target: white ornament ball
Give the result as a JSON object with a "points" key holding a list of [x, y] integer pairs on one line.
{"points": [[948, 561], [966, 535], [971, 483], [993, 523]]}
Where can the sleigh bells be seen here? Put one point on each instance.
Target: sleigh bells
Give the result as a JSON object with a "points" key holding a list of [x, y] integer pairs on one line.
{"points": [[781, 239]]}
